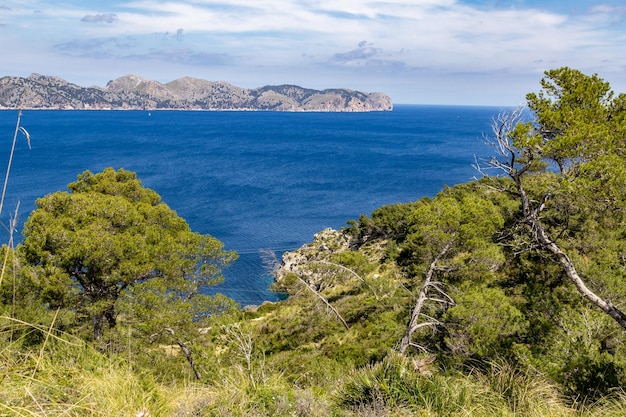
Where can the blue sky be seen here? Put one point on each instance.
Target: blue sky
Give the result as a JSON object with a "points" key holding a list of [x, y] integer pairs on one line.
{"points": [[483, 52]]}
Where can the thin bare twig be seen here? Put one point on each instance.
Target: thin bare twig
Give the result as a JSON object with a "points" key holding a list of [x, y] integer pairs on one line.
{"points": [[18, 129]]}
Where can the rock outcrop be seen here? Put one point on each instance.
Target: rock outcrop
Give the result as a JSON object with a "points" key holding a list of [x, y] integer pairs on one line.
{"points": [[312, 259], [135, 93]]}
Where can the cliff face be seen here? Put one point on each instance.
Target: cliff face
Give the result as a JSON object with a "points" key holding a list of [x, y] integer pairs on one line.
{"points": [[133, 92]]}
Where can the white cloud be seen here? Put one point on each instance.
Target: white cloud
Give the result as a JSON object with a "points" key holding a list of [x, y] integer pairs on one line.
{"points": [[388, 43]]}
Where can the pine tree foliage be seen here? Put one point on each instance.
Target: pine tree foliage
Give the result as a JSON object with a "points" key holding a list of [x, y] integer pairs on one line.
{"points": [[109, 235]]}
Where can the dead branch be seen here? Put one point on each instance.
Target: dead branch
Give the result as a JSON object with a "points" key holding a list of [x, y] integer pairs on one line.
{"points": [[324, 300], [511, 165], [183, 347], [351, 272], [414, 324]]}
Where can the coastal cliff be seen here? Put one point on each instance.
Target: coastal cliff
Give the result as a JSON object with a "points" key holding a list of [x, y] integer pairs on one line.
{"points": [[131, 92]]}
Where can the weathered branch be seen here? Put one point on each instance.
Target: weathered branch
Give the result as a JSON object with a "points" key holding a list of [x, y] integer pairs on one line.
{"points": [[189, 357], [351, 272], [414, 324], [439, 300], [540, 234], [531, 215], [183, 347], [420, 347], [435, 285], [506, 158], [325, 301], [426, 324], [243, 342]]}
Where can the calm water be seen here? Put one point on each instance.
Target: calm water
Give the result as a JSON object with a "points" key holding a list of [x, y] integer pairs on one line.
{"points": [[255, 180]]}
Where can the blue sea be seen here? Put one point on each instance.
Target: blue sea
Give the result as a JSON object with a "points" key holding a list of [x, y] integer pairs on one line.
{"points": [[254, 180]]}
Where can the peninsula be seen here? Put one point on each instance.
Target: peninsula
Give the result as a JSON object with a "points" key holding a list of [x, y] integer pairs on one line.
{"points": [[131, 92]]}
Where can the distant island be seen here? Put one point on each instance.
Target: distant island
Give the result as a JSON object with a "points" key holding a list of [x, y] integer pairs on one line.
{"points": [[131, 92]]}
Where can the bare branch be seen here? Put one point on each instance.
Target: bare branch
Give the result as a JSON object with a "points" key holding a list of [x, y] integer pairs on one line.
{"points": [[440, 300], [420, 347], [513, 166], [351, 272], [413, 324], [242, 340], [436, 286], [183, 347], [506, 154], [324, 300]]}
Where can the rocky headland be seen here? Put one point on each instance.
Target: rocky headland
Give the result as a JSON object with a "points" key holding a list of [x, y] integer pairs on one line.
{"points": [[131, 92]]}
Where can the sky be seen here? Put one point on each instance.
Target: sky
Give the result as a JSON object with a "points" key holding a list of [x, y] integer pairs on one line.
{"points": [[455, 52]]}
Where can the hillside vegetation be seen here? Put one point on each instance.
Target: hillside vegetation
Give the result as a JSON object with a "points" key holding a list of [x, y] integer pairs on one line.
{"points": [[499, 297]]}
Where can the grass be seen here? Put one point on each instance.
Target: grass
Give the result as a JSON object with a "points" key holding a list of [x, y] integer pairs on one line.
{"points": [[57, 374], [73, 379], [394, 385]]}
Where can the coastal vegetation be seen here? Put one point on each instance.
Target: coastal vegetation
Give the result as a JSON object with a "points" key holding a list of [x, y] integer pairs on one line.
{"points": [[504, 296]]}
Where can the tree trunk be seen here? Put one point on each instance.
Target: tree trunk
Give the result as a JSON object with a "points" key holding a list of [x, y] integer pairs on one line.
{"points": [[509, 165], [570, 270], [540, 236], [183, 347], [189, 357], [107, 316], [98, 325]]}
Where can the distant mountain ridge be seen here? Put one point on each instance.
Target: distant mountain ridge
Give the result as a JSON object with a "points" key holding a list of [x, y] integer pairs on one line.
{"points": [[131, 92]]}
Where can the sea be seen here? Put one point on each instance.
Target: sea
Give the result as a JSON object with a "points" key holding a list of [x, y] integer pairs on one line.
{"points": [[257, 181]]}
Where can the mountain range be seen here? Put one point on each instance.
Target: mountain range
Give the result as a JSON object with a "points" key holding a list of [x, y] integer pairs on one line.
{"points": [[131, 92]]}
